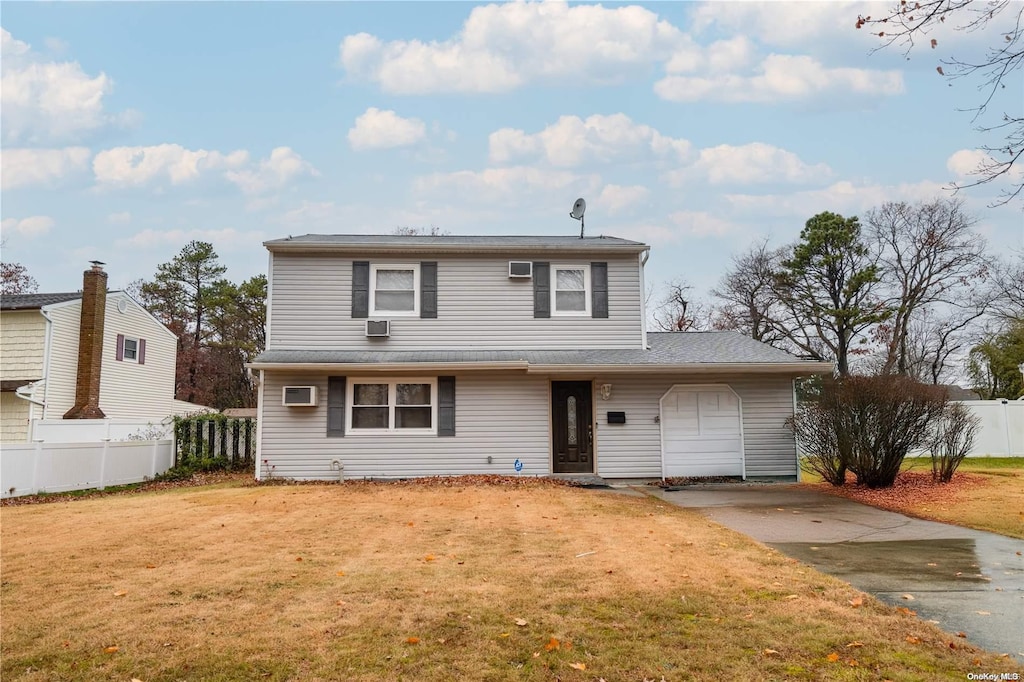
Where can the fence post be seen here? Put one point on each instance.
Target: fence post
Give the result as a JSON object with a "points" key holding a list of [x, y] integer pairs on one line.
{"points": [[38, 454], [152, 466], [103, 464], [1006, 425]]}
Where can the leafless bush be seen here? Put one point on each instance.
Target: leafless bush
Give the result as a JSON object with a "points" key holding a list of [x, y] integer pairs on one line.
{"points": [[815, 428], [951, 438]]}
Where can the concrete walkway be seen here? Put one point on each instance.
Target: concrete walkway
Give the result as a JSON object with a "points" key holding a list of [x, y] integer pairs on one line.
{"points": [[964, 580]]}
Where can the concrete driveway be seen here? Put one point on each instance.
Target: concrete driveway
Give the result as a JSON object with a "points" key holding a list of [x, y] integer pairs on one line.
{"points": [[965, 580]]}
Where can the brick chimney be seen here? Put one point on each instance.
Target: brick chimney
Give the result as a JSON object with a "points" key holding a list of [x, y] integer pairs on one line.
{"points": [[90, 345]]}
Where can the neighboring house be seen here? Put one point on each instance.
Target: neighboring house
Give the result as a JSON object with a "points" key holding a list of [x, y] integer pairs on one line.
{"points": [[392, 356], [85, 355]]}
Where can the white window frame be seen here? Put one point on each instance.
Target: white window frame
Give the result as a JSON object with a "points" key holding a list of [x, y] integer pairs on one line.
{"points": [[415, 267], [392, 383], [124, 349], [587, 293]]}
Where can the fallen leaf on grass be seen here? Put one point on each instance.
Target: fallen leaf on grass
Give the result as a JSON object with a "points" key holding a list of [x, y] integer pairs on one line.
{"points": [[298, 558], [536, 654], [150, 565], [857, 603], [854, 645], [111, 650], [413, 640], [908, 597], [522, 622], [120, 593], [852, 663], [340, 602], [770, 652], [429, 557], [341, 573], [832, 657], [552, 644], [792, 596], [961, 634], [905, 611], [504, 634], [913, 640]]}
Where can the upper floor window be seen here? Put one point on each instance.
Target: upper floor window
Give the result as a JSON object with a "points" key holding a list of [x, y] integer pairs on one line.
{"points": [[131, 349], [570, 294], [394, 289]]}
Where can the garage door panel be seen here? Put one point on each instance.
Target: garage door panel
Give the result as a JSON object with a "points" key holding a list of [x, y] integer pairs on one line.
{"points": [[701, 432]]}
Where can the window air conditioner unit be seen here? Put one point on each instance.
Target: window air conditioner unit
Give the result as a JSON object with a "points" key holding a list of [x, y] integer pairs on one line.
{"points": [[520, 269], [299, 396], [379, 328]]}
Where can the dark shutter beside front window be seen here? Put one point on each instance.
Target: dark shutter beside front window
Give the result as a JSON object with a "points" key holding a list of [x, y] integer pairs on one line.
{"points": [[120, 347], [142, 351], [446, 406], [335, 406], [428, 290], [542, 290], [599, 289], [360, 289]]}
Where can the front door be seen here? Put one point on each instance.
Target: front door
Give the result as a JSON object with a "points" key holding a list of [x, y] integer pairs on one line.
{"points": [[572, 433]]}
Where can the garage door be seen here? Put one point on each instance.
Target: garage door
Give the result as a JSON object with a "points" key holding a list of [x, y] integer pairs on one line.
{"points": [[700, 432]]}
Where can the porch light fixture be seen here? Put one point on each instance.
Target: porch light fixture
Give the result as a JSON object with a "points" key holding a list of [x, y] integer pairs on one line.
{"points": [[605, 390]]}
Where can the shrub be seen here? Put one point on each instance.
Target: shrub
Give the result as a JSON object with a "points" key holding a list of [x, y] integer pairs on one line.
{"points": [[951, 438], [867, 425]]}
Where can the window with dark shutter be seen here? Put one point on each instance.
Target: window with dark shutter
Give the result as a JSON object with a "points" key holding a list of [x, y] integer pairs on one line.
{"points": [[542, 290], [142, 351], [335, 406], [446, 406], [428, 290], [599, 289], [360, 289]]}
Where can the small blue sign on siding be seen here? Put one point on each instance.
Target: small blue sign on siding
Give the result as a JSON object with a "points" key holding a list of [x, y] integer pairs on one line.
{"points": [[518, 466]]}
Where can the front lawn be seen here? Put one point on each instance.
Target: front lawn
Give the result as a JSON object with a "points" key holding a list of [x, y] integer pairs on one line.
{"points": [[431, 582], [986, 493]]}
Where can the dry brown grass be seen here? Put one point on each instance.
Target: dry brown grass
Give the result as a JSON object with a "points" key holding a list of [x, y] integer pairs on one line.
{"points": [[403, 582]]}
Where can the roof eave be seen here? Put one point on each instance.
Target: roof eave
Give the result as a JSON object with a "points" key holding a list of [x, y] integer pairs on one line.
{"points": [[387, 366], [789, 368], [276, 246]]}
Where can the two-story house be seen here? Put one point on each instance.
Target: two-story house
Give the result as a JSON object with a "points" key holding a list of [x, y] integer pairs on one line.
{"points": [[91, 354], [393, 356]]}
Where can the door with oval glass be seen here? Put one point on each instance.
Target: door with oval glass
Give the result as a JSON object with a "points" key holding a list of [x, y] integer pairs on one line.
{"points": [[572, 427]]}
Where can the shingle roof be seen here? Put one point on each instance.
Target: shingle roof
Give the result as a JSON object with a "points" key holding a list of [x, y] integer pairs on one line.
{"points": [[459, 242], [675, 348], [35, 301]]}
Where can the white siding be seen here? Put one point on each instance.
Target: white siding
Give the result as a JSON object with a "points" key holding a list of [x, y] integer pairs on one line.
{"points": [[501, 416], [22, 338], [478, 306], [127, 389], [633, 449], [14, 413]]}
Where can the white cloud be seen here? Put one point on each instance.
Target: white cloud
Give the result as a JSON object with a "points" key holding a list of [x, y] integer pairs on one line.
{"points": [[572, 141], [25, 167], [136, 166], [781, 78], [787, 24], [122, 218], [507, 185], [504, 46], [720, 56], [966, 161], [377, 129], [615, 198], [756, 162], [283, 166], [44, 100], [33, 226], [843, 197], [701, 224]]}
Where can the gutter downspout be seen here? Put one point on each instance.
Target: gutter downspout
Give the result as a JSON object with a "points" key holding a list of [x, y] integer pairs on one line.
{"points": [[47, 344], [643, 300]]}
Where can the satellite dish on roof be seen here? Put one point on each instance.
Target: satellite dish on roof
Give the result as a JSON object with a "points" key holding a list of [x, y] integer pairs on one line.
{"points": [[578, 208]]}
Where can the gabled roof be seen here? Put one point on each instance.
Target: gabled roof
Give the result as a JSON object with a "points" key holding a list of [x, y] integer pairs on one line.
{"points": [[683, 351], [451, 243], [35, 301]]}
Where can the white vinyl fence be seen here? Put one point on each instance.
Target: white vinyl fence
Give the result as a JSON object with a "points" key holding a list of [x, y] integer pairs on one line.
{"points": [[26, 469], [1001, 433], [94, 430]]}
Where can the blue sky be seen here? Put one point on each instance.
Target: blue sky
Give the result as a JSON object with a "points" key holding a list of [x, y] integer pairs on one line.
{"points": [[129, 129]]}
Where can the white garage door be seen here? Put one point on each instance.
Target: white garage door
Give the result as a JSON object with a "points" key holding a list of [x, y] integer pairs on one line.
{"points": [[700, 432]]}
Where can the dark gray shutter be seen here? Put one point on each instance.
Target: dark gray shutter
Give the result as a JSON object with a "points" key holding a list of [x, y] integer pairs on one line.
{"points": [[142, 351], [428, 290], [446, 406], [360, 289], [599, 289], [335, 406], [542, 290], [120, 348]]}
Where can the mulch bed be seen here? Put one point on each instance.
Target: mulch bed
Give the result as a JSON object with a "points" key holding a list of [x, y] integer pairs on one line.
{"points": [[912, 488]]}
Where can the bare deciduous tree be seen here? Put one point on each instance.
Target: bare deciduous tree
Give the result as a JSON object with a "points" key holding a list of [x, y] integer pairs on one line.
{"points": [[678, 311], [747, 294]]}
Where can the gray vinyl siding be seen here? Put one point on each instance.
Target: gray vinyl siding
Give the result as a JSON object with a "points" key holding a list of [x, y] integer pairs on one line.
{"points": [[478, 306], [633, 449], [502, 416]]}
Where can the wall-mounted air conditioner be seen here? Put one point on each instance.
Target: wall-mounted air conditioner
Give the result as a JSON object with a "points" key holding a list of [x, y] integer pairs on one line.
{"points": [[378, 328], [299, 396], [520, 269]]}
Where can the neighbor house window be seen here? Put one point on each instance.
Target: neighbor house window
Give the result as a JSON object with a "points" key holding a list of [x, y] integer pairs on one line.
{"points": [[570, 294], [131, 349], [394, 289], [399, 405]]}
